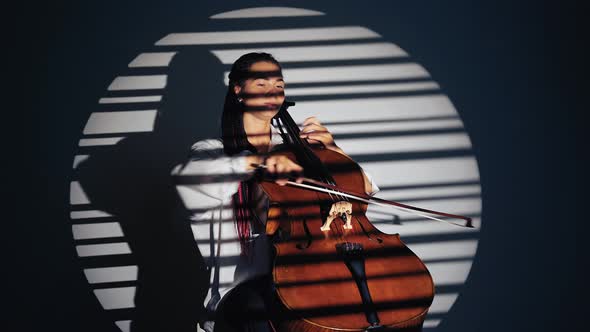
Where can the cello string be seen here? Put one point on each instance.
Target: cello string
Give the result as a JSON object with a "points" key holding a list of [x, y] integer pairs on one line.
{"points": [[302, 145], [310, 158], [306, 146], [306, 149]]}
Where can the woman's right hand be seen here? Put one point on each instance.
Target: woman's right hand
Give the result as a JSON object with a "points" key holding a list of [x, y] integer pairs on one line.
{"points": [[279, 167]]}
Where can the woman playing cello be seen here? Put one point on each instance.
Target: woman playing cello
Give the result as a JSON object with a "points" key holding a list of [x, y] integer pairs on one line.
{"points": [[232, 225], [255, 94]]}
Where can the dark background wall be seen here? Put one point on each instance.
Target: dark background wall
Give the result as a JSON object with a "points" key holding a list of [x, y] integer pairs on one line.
{"points": [[509, 68]]}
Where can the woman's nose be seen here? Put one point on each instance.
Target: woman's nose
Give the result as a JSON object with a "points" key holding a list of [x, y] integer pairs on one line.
{"points": [[275, 93]]}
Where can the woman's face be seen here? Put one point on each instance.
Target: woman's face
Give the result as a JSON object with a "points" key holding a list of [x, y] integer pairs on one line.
{"points": [[263, 93]]}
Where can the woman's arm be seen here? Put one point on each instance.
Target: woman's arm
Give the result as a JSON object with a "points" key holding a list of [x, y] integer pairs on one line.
{"points": [[209, 176], [371, 187]]}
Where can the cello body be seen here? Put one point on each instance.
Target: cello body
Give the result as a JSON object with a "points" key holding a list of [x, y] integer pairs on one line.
{"points": [[350, 277]]}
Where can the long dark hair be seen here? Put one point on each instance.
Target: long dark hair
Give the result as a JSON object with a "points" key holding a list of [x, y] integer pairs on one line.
{"points": [[235, 140]]}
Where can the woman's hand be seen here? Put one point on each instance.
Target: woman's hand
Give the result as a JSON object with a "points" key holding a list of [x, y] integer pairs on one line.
{"points": [[314, 131], [279, 167], [283, 168]]}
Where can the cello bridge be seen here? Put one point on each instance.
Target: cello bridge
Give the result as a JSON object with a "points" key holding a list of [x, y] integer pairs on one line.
{"points": [[342, 210]]}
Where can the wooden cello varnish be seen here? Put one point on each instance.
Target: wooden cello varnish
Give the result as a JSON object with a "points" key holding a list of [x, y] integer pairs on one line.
{"points": [[356, 279]]}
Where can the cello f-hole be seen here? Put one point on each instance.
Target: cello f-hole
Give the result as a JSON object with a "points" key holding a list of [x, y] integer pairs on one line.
{"points": [[367, 233], [302, 246]]}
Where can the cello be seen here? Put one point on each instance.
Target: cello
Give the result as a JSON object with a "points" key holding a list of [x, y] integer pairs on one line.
{"points": [[333, 269]]}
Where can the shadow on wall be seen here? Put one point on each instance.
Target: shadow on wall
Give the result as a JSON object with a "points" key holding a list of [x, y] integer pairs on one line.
{"points": [[131, 180]]}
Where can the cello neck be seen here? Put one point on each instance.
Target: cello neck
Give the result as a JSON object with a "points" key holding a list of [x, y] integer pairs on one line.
{"points": [[301, 147]]}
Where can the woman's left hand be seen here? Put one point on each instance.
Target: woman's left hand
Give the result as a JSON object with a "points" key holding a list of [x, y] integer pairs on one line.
{"points": [[314, 131]]}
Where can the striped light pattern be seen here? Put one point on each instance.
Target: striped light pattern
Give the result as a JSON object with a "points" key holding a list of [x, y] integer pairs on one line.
{"points": [[390, 108], [359, 73], [267, 36], [120, 122], [319, 53], [258, 12]]}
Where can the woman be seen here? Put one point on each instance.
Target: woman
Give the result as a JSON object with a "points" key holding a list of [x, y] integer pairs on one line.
{"points": [[229, 210]]}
